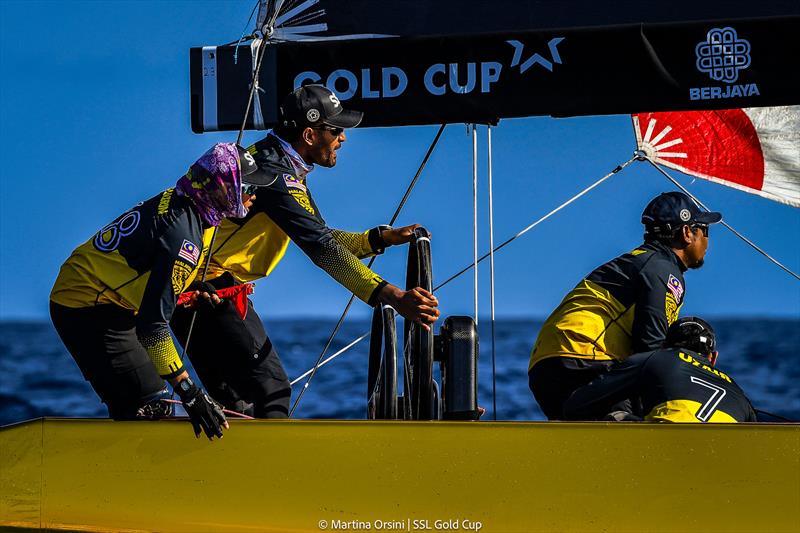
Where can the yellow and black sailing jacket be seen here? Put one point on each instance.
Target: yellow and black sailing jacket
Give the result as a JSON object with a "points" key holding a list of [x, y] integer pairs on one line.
{"points": [[623, 307], [673, 386], [141, 261], [251, 247]]}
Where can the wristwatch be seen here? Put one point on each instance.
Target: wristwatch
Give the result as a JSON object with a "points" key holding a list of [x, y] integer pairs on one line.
{"points": [[186, 385], [381, 244]]}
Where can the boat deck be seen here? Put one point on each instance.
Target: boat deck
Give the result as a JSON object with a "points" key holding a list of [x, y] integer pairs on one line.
{"points": [[313, 475]]}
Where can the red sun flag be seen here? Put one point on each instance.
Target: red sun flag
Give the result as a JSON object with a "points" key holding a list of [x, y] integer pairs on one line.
{"points": [[755, 149]]}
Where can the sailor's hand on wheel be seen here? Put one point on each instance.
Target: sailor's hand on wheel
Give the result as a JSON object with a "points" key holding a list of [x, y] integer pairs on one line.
{"points": [[204, 413], [394, 236], [417, 305]]}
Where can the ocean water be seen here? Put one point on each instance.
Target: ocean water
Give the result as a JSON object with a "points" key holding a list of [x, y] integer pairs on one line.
{"points": [[39, 378]]}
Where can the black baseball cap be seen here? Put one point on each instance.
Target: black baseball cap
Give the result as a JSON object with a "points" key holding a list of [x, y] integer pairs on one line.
{"points": [[671, 210], [315, 105], [252, 174]]}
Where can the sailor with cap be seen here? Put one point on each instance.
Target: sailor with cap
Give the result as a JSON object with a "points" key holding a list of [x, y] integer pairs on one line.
{"points": [[678, 383], [624, 306], [235, 357]]}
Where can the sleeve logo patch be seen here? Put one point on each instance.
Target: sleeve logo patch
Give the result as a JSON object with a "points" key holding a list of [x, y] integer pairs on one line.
{"points": [[671, 308], [302, 199], [189, 251], [180, 274], [675, 287]]}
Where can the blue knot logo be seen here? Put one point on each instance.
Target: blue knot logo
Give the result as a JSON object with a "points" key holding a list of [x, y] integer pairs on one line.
{"points": [[722, 55]]}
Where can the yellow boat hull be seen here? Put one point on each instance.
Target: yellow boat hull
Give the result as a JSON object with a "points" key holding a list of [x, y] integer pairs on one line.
{"points": [[410, 476]]}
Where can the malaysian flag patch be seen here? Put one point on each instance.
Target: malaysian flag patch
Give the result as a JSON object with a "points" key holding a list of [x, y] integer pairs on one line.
{"points": [[292, 181], [674, 285], [189, 251]]}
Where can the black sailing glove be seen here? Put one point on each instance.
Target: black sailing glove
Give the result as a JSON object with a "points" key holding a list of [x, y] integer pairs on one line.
{"points": [[204, 303], [202, 410]]}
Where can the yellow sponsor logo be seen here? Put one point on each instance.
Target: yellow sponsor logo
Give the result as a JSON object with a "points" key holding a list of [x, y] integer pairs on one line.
{"points": [[302, 199], [694, 362], [163, 204], [638, 251], [180, 273], [671, 308]]}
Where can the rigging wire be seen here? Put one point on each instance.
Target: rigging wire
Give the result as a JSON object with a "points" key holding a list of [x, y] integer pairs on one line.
{"points": [[244, 30], [278, 8], [545, 217], [331, 358], [520, 234], [699, 203], [371, 261], [491, 267]]}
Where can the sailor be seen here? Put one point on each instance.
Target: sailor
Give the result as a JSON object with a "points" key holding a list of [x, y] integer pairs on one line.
{"points": [[113, 298], [678, 383], [624, 306], [235, 357]]}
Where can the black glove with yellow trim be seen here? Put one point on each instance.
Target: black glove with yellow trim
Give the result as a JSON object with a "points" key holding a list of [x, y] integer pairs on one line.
{"points": [[204, 413]]}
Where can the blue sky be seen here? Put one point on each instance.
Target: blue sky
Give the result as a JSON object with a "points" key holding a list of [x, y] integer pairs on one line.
{"points": [[94, 117]]}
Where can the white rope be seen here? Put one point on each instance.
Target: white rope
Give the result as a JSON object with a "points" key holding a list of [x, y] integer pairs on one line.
{"points": [[700, 204], [491, 267], [475, 214], [258, 117]]}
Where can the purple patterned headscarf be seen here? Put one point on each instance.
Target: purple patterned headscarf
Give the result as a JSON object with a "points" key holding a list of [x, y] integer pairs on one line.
{"points": [[214, 184]]}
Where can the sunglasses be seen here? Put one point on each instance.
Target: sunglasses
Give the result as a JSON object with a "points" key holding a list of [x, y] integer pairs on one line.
{"points": [[335, 131], [249, 189], [701, 227]]}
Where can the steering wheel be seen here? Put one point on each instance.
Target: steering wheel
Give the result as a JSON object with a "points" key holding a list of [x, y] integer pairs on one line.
{"points": [[418, 342], [382, 380]]}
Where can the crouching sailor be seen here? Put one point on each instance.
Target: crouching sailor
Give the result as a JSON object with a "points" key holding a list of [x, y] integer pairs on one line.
{"points": [[113, 298], [676, 384], [624, 306]]}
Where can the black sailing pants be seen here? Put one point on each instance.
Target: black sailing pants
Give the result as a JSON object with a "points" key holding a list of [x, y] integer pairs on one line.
{"points": [[554, 379], [234, 358], [102, 340]]}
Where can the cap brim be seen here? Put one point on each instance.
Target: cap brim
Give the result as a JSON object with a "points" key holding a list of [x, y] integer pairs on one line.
{"points": [[259, 177], [252, 174], [708, 217], [346, 119]]}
